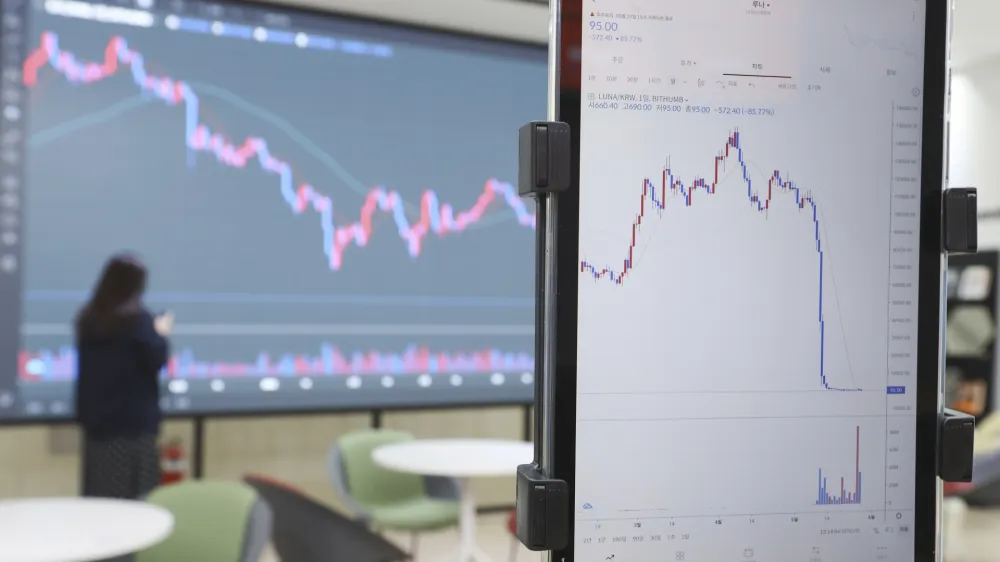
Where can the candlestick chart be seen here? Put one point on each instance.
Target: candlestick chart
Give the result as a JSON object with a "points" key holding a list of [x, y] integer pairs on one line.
{"points": [[760, 199], [435, 217]]}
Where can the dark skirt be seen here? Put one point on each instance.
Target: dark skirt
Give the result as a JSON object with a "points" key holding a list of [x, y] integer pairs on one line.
{"points": [[125, 468]]}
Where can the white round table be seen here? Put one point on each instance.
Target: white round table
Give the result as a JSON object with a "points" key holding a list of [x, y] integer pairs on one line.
{"points": [[78, 529], [462, 459]]}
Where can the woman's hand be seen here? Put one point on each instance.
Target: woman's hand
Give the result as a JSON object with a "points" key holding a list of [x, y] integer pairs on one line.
{"points": [[164, 323]]}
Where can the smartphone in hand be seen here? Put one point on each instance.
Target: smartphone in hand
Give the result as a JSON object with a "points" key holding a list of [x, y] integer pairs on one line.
{"points": [[164, 323]]}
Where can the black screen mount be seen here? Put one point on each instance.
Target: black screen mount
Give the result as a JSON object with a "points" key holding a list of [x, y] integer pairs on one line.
{"points": [[545, 171]]}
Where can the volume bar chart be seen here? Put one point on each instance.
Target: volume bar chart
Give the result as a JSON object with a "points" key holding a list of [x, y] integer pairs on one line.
{"points": [[61, 364], [840, 495]]}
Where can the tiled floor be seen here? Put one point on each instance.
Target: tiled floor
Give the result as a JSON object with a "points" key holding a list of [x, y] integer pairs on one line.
{"points": [[491, 534], [977, 539]]}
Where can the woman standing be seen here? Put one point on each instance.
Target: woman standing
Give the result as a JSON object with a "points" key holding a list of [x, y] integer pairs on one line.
{"points": [[121, 349]]}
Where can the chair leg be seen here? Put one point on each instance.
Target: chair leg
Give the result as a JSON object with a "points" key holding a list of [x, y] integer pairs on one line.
{"points": [[414, 543]]}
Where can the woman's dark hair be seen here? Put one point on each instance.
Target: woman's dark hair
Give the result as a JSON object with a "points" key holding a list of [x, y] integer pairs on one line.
{"points": [[117, 298]]}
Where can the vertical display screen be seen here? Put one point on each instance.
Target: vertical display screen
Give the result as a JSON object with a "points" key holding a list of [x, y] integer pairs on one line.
{"points": [[750, 176]]}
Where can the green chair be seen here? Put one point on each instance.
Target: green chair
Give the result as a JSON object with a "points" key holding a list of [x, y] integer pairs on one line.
{"points": [[213, 522], [386, 499]]}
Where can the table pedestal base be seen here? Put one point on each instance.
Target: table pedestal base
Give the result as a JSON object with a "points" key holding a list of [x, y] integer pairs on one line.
{"points": [[468, 550], [476, 554]]}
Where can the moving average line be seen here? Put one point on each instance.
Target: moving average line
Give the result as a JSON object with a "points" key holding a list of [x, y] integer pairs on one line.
{"points": [[121, 107], [435, 217]]}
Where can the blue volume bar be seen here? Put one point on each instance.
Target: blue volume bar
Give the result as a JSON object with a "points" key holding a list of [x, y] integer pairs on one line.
{"points": [[841, 495]]}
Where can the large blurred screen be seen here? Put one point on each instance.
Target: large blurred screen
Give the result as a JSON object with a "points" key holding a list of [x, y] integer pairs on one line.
{"points": [[325, 204]]}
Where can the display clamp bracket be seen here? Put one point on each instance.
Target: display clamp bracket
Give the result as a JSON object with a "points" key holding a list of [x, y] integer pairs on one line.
{"points": [[960, 223], [545, 170], [956, 439], [957, 430]]}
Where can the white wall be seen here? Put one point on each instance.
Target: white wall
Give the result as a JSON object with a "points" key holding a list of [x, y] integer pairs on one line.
{"points": [[974, 36], [45, 461], [974, 160]]}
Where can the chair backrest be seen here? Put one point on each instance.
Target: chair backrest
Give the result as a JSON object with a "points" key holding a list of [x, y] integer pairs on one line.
{"points": [[368, 483], [213, 522], [307, 531]]}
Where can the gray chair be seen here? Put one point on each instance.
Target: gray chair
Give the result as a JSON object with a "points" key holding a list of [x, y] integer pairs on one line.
{"points": [[385, 499]]}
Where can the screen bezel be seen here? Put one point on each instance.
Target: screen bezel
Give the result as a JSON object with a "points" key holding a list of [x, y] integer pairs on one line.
{"points": [[426, 34], [567, 45]]}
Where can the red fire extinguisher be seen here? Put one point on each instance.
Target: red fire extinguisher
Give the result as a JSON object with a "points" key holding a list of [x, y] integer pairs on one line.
{"points": [[172, 462]]}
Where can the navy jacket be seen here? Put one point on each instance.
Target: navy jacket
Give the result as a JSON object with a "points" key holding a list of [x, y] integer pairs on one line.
{"points": [[117, 387]]}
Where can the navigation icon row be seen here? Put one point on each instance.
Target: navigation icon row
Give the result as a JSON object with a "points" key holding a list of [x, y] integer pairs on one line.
{"points": [[13, 24]]}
